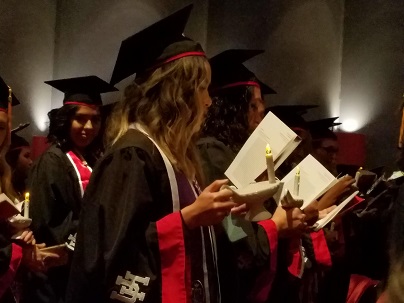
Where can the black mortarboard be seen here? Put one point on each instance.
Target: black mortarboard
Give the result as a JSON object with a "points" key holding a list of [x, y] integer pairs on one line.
{"points": [[20, 127], [228, 71], [4, 93], [82, 90], [157, 44], [324, 123], [17, 141], [320, 129], [291, 115]]}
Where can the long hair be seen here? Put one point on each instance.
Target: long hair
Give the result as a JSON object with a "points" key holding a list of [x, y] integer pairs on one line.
{"points": [[6, 185], [227, 118], [60, 121], [164, 101]]}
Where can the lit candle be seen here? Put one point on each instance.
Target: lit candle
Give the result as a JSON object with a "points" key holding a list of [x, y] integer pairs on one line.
{"points": [[270, 164], [297, 181], [357, 175], [26, 206]]}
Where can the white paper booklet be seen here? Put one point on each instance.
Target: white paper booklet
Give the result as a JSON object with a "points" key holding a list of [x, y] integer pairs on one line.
{"points": [[7, 207], [315, 180], [250, 162], [331, 215]]}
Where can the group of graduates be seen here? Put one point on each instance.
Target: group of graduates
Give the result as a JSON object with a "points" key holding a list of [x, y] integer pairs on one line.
{"points": [[151, 222]]}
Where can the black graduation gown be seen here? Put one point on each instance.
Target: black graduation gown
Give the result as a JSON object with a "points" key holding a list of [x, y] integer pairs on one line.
{"points": [[130, 244], [55, 197], [247, 266], [55, 206], [216, 157], [10, 259]]}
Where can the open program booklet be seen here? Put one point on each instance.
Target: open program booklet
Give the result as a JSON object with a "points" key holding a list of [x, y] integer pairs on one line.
{"points": [[7, 207], [250, 162], [315, 180]]}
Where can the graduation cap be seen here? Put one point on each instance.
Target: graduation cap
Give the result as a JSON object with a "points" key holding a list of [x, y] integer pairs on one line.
{"points": [[4, 94], [291, 115], [228, 71], [155, 45], [324, 123], [20, 127], [18, 142], [82, 90], [320, 129]]}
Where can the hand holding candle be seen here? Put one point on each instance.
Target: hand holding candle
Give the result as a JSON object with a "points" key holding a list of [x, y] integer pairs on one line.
{"points": [[26, 206], [297, 182], [270, 164]]}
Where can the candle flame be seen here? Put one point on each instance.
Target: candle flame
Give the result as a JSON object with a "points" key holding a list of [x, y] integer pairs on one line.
{"points": [[27, 196], [268, 150], [297, 171]]}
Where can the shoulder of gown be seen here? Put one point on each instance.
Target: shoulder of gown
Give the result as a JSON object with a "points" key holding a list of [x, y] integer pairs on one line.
{"points": [[216, 157], [128, 193]]}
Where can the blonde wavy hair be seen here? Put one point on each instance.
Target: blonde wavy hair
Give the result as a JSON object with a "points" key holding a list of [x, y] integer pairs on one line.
{"points": [[165, 102], [6, 185]]}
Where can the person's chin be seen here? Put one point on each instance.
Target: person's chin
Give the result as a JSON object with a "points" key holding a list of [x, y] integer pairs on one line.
{"points": [[84, 142]]}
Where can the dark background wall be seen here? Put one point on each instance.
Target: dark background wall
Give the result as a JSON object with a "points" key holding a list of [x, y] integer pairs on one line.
{"points": [[373, 74], [89, 33], [303, 43], [27, 35], [344, 55]]}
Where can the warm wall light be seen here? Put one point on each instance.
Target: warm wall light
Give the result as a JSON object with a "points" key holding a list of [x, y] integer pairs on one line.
{"points": [[40, 105], [350, 125], [41, 119]]}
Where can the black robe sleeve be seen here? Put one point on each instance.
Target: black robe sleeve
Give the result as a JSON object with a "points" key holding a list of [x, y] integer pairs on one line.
{"points": [[10, 259], [55, 198], [117, 237], [247, 266], [215, 159]]}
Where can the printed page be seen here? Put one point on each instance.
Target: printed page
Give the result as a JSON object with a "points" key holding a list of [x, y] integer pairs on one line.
{"points": [[315, 180], [323, 222], [250, 162]]}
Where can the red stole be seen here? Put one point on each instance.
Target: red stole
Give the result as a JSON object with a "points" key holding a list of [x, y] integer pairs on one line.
{"points": [[83, 171], [7, 279]]}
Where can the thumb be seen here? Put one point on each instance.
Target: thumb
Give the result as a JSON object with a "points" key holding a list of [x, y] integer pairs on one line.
{"points": [[42, 245], [216, 185]]}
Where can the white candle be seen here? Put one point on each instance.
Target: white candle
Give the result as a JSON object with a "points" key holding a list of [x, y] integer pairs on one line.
{"points": [[357, 175], [297, 181], [270, 164], [26, 206]]}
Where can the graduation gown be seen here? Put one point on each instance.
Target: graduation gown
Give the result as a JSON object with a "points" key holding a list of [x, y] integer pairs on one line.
{"points": [[10, 260], [216, 157], [132, 243], [56, 196], [247, 266]]}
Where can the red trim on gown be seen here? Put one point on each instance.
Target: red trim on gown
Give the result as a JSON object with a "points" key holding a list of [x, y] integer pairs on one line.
{"points": [[8, 278], [83, 170], [172, 258], [320, 248], [264, 281]]}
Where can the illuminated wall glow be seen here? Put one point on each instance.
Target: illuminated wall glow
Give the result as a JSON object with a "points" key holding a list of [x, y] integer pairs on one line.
{"points": [[39, 106], [350, 125], [334, 107]]}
